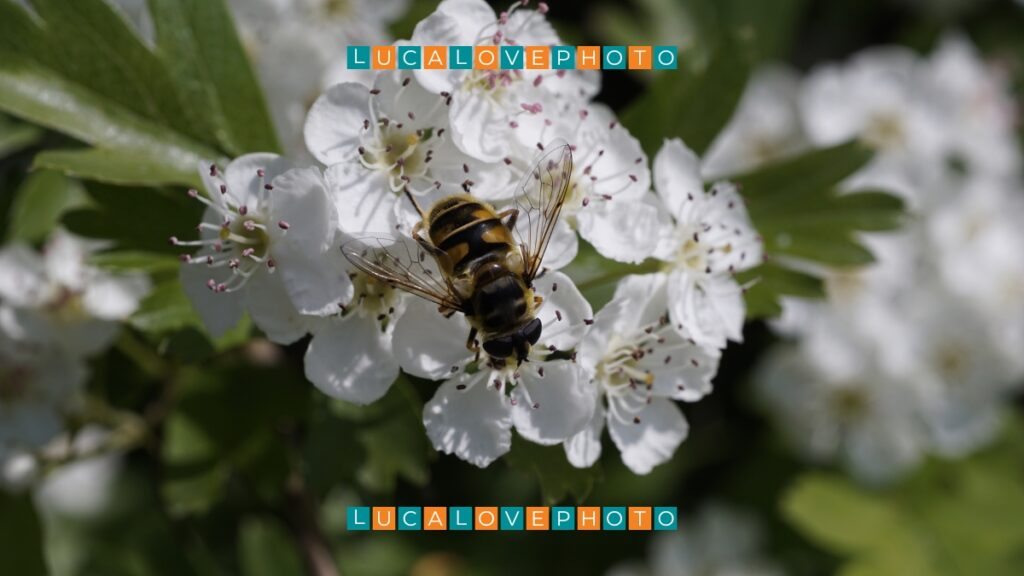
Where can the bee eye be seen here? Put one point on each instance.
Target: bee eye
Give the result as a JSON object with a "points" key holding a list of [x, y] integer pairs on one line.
{"points": [[499, 347], [532, 331]]}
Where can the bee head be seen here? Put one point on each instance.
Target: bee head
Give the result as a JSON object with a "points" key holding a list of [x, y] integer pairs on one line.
{"points": [[516, 343]]}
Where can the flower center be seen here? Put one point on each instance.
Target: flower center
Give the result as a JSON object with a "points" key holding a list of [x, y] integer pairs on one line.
{"points": [[885, 131], [372, 298], [398, 151], [850, 403], [67, 306]]}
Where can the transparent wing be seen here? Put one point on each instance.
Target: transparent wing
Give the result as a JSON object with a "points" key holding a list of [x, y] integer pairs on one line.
{"points": [[402, 263], [539, 199]]}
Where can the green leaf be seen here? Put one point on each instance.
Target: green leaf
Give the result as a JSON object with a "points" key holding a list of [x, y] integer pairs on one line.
{"points": [[198, 41], [94, 47], [135, 219], [39, 203], [122, 167], [16, 136], [202, 449], [769, 281], [796, 206], [558, 479], [946, 519], [266, 549], [41, 96], [817, 502], [21, 538], [395, 448]]}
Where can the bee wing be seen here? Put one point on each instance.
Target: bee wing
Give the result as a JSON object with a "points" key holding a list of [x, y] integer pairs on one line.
{"points": [[539, 199], [402, 263]]}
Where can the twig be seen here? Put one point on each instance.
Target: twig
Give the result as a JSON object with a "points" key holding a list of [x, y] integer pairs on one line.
{"points": [[316, 552]]}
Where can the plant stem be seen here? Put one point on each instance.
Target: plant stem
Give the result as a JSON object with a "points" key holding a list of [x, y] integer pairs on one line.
{"points": [[316, 551]]}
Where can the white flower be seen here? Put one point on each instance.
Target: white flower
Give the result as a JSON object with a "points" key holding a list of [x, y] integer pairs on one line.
{"points": [[832, 401], [474, 410], [85, 487], [377, 142], [298, 49], [974, 101], [38, 386], [268, 245], [706, 238], [608, 200], [977, 239], [638, 363], [765, 127], [58, 298], [486, 105], [350, 356]]}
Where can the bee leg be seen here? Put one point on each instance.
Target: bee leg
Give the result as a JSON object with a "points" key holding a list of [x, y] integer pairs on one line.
{"points": [[472, 345], [512, 214]]}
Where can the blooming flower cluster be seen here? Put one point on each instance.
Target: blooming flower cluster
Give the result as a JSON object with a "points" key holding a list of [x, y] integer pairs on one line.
{"points": [[56, 310], [269, 245], [918, 353]]}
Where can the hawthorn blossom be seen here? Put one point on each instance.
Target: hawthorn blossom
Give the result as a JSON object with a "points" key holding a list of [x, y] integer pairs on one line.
{"points": [[39, 386], [478, 403], [705, 239], [766, 126], [487, 105], [350, 356], [637, 365], [608, 200], [833, 402], [379, 142], [297, 48], [266, 246], [57, 298]]}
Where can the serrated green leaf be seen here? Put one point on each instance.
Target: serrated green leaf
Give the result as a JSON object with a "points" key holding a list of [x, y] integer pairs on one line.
{"points": [[39, 203], [197, 40], [397, 446], [767, 282], [558, 479]]}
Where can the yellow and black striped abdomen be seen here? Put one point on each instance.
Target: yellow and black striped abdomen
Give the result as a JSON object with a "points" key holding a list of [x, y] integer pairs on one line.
{"points": [[469, 231]]}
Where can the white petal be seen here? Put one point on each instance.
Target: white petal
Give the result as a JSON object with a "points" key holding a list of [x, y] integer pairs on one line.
{"points": [[473, 423], [272, 311], [115, 297], [583, 449], [242, 176], [478, 125], [335, 122], [22, 277], [623, 230], [316, 284], [300, 198], [563, 312], [351, 359], [219, 312], [652, 441], [551, 408], [364, 201], [429, 345], [676, 174]]}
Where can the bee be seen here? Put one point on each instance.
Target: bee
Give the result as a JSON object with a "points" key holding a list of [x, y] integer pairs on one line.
{"points": [[470, 258]]}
